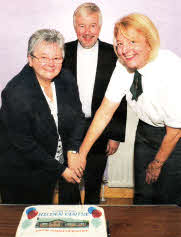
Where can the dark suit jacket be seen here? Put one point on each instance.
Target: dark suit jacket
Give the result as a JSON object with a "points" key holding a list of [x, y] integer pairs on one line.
{"points": [[106, 64], [28, 132]]}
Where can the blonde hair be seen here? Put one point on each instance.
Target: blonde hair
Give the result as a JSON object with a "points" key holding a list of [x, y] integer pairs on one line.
{"points": [[142, 24], [87, 8]]}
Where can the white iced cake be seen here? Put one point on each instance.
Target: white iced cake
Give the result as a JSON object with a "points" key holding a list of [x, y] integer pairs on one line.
{"points": [[62, 220]]}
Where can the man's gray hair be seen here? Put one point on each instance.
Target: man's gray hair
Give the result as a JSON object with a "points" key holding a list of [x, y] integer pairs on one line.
{"points": [[87, 8], [47, 35]]}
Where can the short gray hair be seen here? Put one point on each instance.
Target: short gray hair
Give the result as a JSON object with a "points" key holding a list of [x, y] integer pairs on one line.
{"points": [[87, 8], [47, 35]]}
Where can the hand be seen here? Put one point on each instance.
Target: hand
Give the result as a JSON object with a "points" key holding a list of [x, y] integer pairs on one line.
{"points": [[70, 176], [112, 147], [153, 171], [74, 163]]}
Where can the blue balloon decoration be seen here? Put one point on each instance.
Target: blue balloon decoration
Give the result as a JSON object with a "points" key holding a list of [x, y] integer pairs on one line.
{"points": [[91, 209], [30, 209]]}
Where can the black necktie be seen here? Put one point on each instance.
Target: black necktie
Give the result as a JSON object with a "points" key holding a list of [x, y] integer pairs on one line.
{"points": [[136, 87]]}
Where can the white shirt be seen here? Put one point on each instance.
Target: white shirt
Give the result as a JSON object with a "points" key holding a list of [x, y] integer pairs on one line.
{"points": [[53, 107], [160, 102], [86, 73]]}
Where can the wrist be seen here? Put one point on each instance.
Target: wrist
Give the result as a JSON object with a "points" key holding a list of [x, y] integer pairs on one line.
{"points": [[158, 162], [83, 152], [73, 151]]}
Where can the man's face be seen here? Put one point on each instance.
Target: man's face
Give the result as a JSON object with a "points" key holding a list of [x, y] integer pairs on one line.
{"points": [[87, 29], [134, 51]]}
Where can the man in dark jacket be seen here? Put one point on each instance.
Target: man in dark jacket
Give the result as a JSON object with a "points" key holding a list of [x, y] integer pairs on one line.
{"points": [[92, 63]]}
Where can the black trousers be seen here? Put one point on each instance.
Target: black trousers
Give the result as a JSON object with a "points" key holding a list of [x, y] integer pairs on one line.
{"points": [[167, 189], [94, 170], [19, 195], [24, 186], [69, 193], [93, 174]]}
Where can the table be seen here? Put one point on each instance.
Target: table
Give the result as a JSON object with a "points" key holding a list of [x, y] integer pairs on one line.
{"points": [[124, 221]]}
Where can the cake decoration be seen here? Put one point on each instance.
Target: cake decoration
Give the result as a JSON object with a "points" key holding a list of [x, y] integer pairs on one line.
{"points": [[51, 220], [31, 212]]}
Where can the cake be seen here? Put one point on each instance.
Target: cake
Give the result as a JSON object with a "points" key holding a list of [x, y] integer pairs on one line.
{"points": [[62, 220]]}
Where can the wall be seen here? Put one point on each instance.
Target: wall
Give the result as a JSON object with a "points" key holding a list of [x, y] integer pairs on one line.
{"points": [[19, 19]]}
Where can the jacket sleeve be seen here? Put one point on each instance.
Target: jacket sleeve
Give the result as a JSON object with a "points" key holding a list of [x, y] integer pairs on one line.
{"points": [[17, 119], [74, 118], [79, 122]]}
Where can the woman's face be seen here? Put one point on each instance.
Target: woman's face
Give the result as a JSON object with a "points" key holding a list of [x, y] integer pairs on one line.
{"points": [[44, 60], [133, 50]]}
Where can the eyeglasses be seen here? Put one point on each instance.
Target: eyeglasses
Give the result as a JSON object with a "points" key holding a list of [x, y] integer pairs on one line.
{"points": [[47, 60]]}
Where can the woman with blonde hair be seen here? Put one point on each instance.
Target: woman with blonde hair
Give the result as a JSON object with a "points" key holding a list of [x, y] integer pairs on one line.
{"points": [[149, 77]]}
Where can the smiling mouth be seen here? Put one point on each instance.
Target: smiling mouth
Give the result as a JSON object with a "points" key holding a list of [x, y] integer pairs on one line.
{"points": [[50, 70], [88, 37], [128, 57]]}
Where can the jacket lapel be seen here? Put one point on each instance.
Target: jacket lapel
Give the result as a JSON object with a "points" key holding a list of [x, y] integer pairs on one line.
{"points": [[98, 71], [39, 101], [73, 57], [59, 90]]}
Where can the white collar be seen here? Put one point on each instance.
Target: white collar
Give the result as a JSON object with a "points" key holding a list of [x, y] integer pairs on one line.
{"points": [[90, 50]]}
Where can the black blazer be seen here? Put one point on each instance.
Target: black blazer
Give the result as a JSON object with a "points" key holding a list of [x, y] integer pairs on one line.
{"points": [[28, 132], [106, 64]]}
